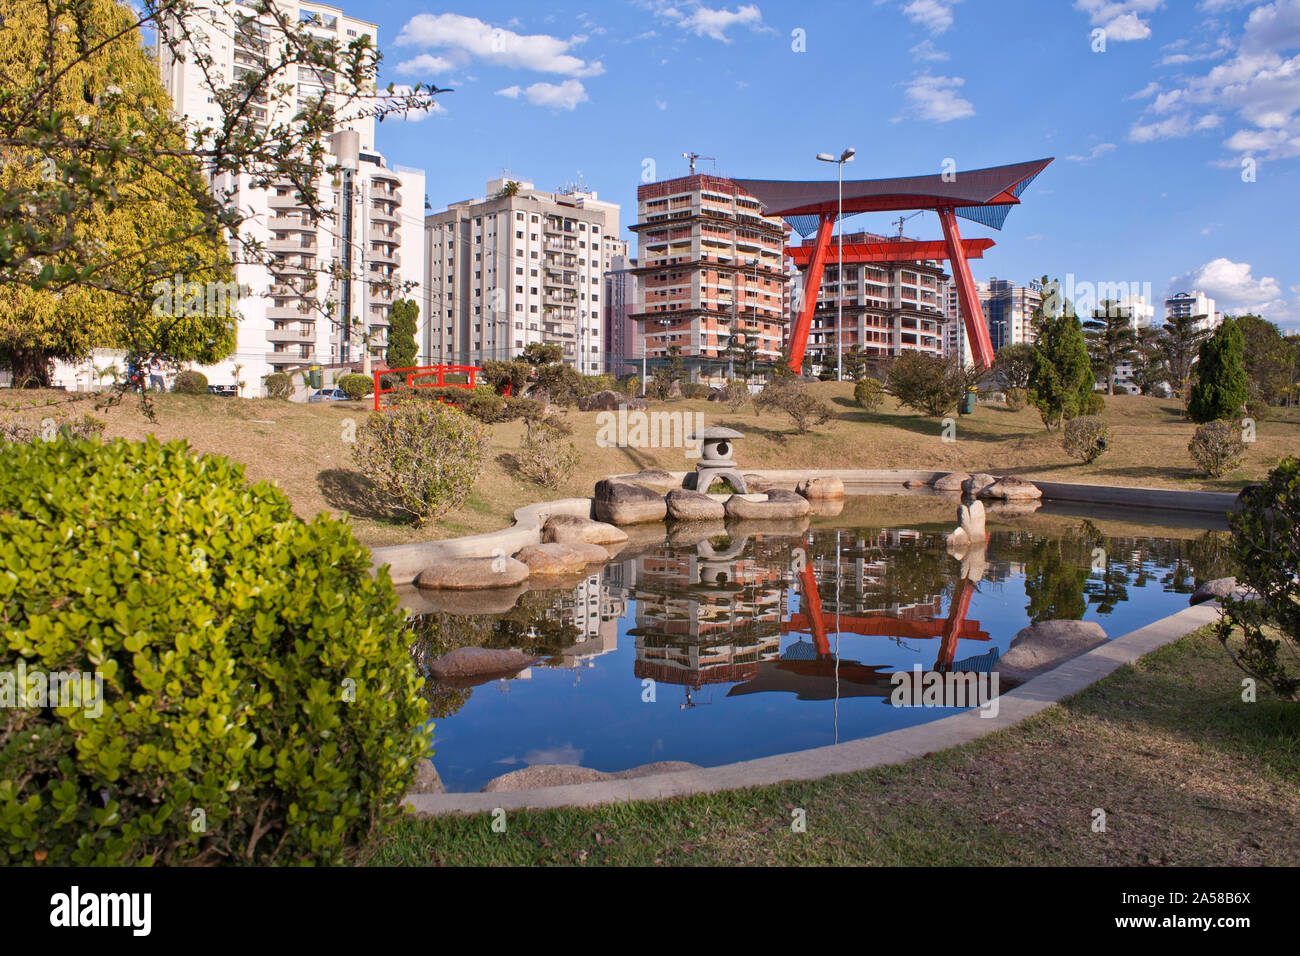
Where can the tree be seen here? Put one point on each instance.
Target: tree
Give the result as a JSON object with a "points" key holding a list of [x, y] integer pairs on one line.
{"points": [[1111, 340], [542, 353], [1013, 365], [1220, 389], [1267, 357], [403, 322], [1149, 371], [511, 188], [927, 383], [855, 363], [1180, 343], [1061, 382], [103, 196]]}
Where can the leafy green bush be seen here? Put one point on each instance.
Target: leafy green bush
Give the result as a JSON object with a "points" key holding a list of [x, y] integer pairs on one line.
{"points": [[928, 383], [190, 382], [356, 386], [547, 457], [421, 457], [1095, 405], [790, 396], [258, 701], [868, 393], [1017, 398], [1217, 448], [562, 383], [278, 385], [695, 390], [1267, 551], [1086, 438], [498, 375]]}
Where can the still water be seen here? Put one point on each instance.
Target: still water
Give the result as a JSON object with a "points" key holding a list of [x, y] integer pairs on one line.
{"points": [[712, 647]]}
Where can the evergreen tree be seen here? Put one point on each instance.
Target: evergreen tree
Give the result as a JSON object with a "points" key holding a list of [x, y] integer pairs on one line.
{"points": [[403, 322], [1112, 340], [1180, 343], [1061, 382], [1220, 389]]}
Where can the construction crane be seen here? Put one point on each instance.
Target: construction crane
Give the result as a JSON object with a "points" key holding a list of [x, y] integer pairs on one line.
{"points": [[902, 219], [692, 157]]}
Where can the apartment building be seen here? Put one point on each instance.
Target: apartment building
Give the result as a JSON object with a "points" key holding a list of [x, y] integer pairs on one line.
{"points": [[711, 270], [1194, 303], [1009, 311], [519, 266], [323, 291], [622, 335]]}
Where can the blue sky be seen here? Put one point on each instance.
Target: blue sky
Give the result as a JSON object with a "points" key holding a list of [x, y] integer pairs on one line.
{"points": [[1150, 107]]}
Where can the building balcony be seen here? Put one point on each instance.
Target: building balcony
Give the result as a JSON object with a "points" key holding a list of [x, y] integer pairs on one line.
{"points": [[386, 254], [286, 313], [289, 201], [292, 335], [297, 245], [291, 357], [381, 234], [378, 213], [291, 223]]}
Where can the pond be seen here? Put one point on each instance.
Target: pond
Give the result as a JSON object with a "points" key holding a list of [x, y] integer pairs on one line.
{"points": [[699, 646]]}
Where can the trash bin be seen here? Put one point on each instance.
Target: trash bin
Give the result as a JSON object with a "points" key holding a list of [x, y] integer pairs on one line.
{"points": [[313, 377], [968, 403]]}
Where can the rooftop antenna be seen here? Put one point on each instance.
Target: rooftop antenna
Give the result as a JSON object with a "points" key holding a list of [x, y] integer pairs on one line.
{"points": [[692, 157]]}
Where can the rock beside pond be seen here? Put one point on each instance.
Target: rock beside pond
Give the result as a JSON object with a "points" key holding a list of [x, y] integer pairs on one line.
{"points": [[556, 558], [826, 487], [471, 573], [427, 779], [778, 504], [951, 482], [608, 401], [622, 502], [1220, 588], [564, 529], [1013, 489], [974, 485], [561, 775], [685, 505], [480, 661], [1040, 647], [756, 484]]}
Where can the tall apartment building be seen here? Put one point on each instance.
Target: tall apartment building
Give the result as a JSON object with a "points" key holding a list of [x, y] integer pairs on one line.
{"points": [[711, 266], [1009, 311], [622, 336], [888, 307], [294, 313], [1194, 303], [516, 267]]}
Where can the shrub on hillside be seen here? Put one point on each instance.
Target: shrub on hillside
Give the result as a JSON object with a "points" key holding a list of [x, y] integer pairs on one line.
{"points": [[1217, 448], [514, 374], [928, 383], [1017, 398], [736, 395], [1266, 547], [792, 397], [356, 386], [254, 673], [547, 456], [695, 390], [421, 458], [1095, 405], [1086, 438], [190, 382], [868, 393], [278, 385]]}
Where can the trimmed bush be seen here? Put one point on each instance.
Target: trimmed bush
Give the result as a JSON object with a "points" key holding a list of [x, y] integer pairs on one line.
{"points": [[278, 385], [259, 704], [356, 386], [1217, 448], [927, 383], [1086, 438], [421, 458], [547, 456], [190, 382], [498, 375], [789, 396], [1017, 398], [695, 390], [868, 393]]}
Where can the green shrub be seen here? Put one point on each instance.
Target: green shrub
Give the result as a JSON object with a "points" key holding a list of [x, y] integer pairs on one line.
{"points": [[695, 390], [421, 457], [190, 382], [928, 383], [1086, 438], [1095, 405], [229, 634], [1267, 552], [278, 385], [1221, 387], [562, 383], [1217, 448], [529, 409], [356, 386], [1017, 398], [547, 457], [790, 396], [868, 393], [498, 375]]}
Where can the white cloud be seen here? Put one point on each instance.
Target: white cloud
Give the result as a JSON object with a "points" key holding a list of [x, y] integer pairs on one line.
{"points": [[661, 104], [926, 52], [467, 38], [1233, 287], [703, 21], [1151, 89], [426, 64], [935, 98], [934, 15], [1121, 19], [558, 96], [1101, 149]]}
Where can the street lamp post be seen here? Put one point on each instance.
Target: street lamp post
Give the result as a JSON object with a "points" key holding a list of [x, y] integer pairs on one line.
{"points": [[845, 157]]}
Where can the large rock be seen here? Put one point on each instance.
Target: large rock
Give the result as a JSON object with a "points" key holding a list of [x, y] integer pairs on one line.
{"points": [[1040, 647], [556, 558], [427, 779], [951, 482], [1221, 588], [560, 775], [621, 502], [1012, 489], [828, 487], [777, 504], [974, 486], [608, 401], [684, 505], [479, 662], [756, 484], [464, 574], [566, 529]]}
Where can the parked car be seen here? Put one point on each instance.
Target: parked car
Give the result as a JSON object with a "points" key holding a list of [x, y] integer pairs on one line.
{"points": [[226, 390], [328, 395]]}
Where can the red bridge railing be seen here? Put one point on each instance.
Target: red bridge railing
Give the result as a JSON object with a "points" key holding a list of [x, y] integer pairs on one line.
{"points": [[431, 376]]}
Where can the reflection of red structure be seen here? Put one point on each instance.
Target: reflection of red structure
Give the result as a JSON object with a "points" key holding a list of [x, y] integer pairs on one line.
{"points": [[951, 630], [982, 195]]}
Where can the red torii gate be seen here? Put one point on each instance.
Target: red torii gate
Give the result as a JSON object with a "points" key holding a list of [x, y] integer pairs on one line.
{"points": [[982, 195]]}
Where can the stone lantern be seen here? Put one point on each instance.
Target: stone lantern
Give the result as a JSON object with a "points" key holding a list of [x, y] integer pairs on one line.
{"points": [[715, 461]]}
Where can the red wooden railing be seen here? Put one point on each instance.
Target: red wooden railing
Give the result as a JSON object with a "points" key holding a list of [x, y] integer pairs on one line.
{"points": [[431, 376]]}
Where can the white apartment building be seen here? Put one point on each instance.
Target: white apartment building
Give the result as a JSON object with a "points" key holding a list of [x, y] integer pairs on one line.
{"points": [[519, 266], [1194, 303]]}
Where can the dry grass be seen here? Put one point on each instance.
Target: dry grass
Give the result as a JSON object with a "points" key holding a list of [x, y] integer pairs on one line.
{"points": [[302, 448]]}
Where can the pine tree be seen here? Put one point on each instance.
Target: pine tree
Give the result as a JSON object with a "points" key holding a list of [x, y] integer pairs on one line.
{"points": [[1061, 382], [1180, 342], [1112, 340], [402, 324], [1220, 389]]}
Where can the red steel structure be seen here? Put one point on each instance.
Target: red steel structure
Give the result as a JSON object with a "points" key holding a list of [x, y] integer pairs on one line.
{"points": [[981, 195], [431, 376]]}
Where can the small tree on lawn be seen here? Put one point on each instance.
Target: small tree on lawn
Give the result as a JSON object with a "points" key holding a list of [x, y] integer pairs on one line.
{"points": [[402, 325], [1013, 365], [1061, 382], [924, 382], [1220, 389], [1180, 344], [1111, 340]]}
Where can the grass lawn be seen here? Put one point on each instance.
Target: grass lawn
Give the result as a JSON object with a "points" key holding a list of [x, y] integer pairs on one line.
{"points": [[1186, 772], [302, 448]]}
